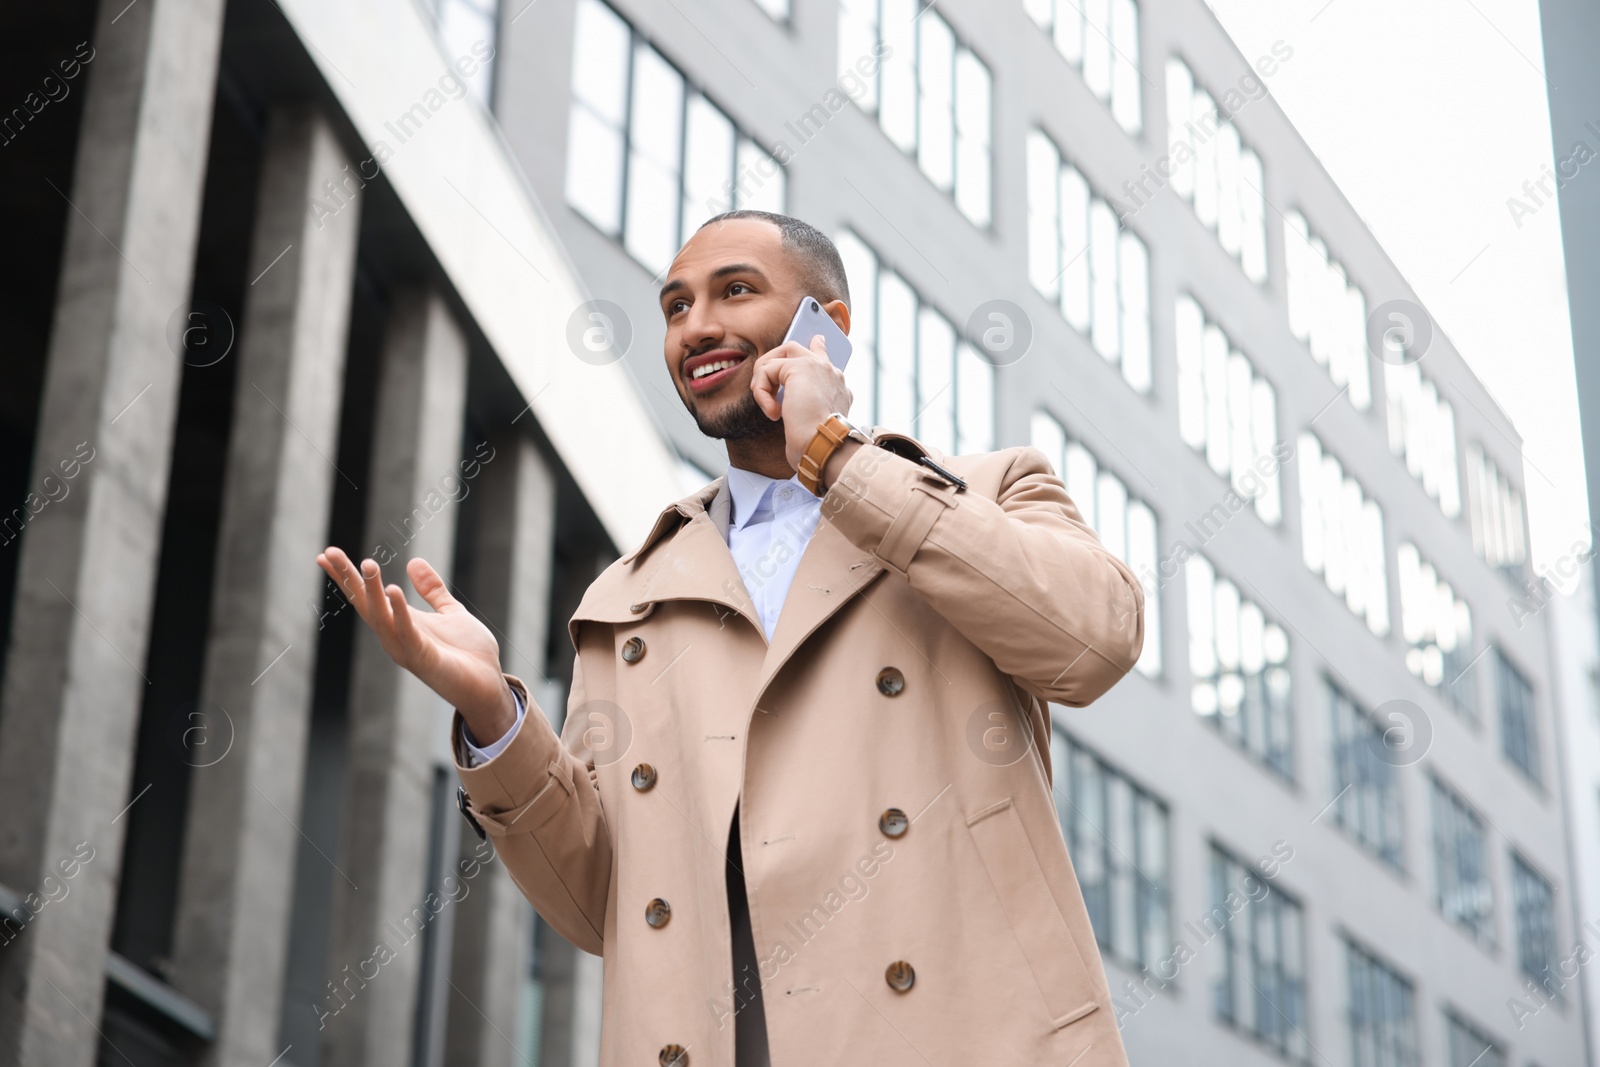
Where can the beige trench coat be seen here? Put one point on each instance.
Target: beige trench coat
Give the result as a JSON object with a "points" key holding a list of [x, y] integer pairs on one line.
{"points": [[923, 633]]}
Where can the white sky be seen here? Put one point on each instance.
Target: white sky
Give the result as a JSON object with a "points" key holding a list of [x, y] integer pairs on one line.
{"points": [[1429, 115]]}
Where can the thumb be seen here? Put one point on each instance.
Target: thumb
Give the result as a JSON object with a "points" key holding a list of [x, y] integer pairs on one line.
{"points": [[430, 587]]}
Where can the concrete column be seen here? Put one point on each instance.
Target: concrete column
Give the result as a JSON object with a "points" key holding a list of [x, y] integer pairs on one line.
{"points": [[411, 491], [511, 586], [74, 667], [234, 898]]}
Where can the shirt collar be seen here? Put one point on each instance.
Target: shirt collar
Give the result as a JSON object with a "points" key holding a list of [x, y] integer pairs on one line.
{"points": [[749, 490]]}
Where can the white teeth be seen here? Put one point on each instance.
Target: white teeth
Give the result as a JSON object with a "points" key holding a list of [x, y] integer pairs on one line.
{"points": [[711, 368]]}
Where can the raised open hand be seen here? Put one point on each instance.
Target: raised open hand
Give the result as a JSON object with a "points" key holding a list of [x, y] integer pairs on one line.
{"points": [[448, 648]]}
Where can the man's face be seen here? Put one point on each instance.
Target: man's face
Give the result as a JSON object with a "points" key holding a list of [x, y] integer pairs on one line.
{"points": [[729, 297]]}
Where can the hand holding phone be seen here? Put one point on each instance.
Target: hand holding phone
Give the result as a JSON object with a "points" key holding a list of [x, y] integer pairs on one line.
{"points": [[809, 321]]}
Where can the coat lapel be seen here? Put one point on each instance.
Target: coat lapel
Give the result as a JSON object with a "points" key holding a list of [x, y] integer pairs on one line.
{"points": [[832, 571], [695, 564]]}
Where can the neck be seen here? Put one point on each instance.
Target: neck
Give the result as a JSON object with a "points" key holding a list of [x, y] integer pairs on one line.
{"points": [[766, 454]]}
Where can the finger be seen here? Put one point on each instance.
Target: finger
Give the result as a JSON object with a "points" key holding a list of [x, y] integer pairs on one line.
{"points": [[764, 382], [379, 616], [819, 346], [344, 575], [406, 632], [430, 586]]}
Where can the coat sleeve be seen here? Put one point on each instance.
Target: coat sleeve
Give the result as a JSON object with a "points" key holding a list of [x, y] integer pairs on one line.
{"points": [[539, 800], [1021, 576]]}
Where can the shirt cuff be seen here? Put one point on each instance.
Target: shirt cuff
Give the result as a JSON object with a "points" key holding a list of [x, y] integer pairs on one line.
{"points": [[476, 755]]}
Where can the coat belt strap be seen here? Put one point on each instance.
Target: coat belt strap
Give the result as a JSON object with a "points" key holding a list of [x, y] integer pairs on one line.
{"points": [[910, 527]]}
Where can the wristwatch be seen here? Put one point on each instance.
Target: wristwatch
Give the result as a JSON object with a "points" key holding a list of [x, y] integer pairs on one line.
{"points": [[833, 432]]}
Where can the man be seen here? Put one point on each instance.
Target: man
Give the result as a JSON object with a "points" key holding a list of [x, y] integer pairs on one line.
{"points": [[801, 801]]}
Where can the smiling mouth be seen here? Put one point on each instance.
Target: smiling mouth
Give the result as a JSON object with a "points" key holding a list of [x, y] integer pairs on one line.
{"points": [[705, 374], [705, 370]]}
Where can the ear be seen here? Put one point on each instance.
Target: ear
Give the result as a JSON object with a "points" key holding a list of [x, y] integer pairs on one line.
{"points": [[839, 314]]}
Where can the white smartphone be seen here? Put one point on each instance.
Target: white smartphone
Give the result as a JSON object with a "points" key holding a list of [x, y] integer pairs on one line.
{"points": [[810, 320]]}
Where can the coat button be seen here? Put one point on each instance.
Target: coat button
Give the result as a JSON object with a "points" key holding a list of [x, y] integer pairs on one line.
{"points": [[674, 1056], [894, 822], [900, 976], [633, 650], [891, 682], [657, 912], [644, 776]]}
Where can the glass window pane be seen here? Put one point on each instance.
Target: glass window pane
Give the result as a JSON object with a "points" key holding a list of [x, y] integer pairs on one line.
{"points": [[897, 107], [1103, 257], [935, 422], [707, 163], [1044, 250], [652, 226], [1188, 330], [763, 179], [858, 33], [1180, 90], [897, 323], [1075, 252], [594, 169], [1080, 479], [1125, 88], [861, 270], [974, 401], [656, 129], [600, 61], [936, 113], [1046, 435], [1133, 285], [1097, 47], [1111, 508]]}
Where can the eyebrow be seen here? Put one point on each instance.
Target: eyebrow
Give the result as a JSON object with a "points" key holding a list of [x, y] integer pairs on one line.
{"points": [[721, 272]]}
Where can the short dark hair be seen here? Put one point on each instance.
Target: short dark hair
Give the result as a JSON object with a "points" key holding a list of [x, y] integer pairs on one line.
{"points": [[821, 270]]}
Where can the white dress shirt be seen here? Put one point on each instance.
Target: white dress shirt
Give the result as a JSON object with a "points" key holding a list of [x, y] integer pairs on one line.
{"points": [[770, 524]]}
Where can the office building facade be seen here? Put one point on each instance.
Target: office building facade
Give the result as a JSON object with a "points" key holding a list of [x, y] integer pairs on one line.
{"points": [[1322, 821]]}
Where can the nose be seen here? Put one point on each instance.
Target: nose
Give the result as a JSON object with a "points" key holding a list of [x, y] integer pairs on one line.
{"points": [[700, 328]]}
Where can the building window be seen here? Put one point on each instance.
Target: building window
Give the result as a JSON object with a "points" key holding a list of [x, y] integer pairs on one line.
{"points": [[1495, 508], [1422, 431], [1101, 39], [1341, 535], [1366, 787], [1519, 724], [931, 96], [1117, 834], [1383, 1013], [1261, 976], [1461, 863], [1216, 173], [1438, 629], [1080, 257], [649, 157], [1326, 311], [1226, 410], [461, 25], [1240, 663], [1467, 1046], [1534, 900], [908, 368], [1125, 525]]}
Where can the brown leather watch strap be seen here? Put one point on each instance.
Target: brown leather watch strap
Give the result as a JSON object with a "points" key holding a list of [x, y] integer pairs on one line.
{"points": [[829, 436]]}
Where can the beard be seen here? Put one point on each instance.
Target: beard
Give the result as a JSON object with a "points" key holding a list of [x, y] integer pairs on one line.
{"points": [[738, 421], [741, 419]]}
